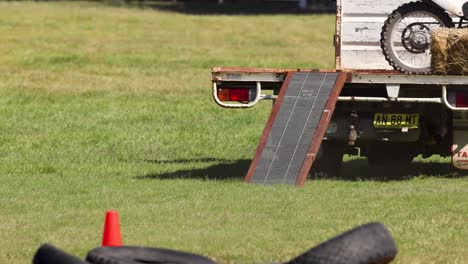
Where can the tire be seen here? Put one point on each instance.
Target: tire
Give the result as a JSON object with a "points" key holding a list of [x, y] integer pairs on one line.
{"points": [[465, 9], [377, 161], [329, 160], [397, 155], [48, 254], [136, 255], [412, 46], [367, 244]]}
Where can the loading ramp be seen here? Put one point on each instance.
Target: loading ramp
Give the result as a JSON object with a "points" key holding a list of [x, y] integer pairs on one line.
{"points": [[295, 128]]}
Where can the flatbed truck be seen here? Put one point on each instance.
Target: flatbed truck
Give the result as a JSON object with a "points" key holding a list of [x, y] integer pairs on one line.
{"points": [[382, 114]]}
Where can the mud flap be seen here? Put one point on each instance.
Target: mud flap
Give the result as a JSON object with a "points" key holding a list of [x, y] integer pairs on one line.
{"points": [[460, 141]]}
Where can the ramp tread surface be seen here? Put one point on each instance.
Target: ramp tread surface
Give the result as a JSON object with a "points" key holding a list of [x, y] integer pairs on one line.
{"points": [[292, 127]]}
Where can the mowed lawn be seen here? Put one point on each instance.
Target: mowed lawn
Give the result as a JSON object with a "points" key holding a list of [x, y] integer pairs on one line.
{"points": [[106, 107]]}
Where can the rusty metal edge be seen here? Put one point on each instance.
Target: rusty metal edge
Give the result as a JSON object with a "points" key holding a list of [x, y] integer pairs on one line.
{"points": [[321, 129], [262, 70], [267, 129], [215, 70]]}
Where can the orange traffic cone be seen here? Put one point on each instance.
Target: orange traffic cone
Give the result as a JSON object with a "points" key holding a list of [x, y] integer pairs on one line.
{"points": [[111, 236]]}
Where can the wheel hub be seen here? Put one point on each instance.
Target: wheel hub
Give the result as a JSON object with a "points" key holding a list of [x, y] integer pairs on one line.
{"points": [[416, 38], [419, 40]]}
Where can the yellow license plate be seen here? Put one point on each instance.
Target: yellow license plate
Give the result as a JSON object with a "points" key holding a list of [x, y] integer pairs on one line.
{"points": [[396, 120]]}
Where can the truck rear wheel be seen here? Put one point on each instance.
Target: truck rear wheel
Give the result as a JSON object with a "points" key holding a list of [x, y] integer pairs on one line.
{"points": [[382, 154], [329, 160]]}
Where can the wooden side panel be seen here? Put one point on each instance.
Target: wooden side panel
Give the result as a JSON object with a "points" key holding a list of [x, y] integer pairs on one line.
{"points": [[375, 7], [367, 59]]}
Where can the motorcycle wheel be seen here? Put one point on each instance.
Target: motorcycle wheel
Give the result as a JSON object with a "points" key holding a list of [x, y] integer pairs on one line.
{"points": [[406, 36]]}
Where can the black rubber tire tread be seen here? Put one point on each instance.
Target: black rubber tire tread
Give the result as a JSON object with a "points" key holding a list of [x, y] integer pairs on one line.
{"points": [[390, 23], [48, 254], [389, 154], [367, 244], [383, 160], [136, 255]]}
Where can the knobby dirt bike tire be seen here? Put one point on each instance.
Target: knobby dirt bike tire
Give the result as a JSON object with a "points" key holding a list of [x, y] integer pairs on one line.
{"points": [[391, 22], [137, 255], [48, 254], [367, 244]]}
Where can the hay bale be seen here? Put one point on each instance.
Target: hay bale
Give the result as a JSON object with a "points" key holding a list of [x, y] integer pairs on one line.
{"points": [[458, 52], [450, 51], [439, 51]]}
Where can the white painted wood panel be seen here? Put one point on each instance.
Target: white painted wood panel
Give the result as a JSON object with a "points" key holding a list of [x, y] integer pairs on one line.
{"points": [[369, 59], [371, 6], [361, 32]]}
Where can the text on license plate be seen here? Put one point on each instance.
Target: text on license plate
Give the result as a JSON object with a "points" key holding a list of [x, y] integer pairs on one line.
{"points": [[396, 120]]}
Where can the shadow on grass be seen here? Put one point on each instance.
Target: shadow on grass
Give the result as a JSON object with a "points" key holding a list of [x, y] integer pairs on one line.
{"points": [[359, 170], [353, 170], [195, 160], [229, 7], [224, 170]]}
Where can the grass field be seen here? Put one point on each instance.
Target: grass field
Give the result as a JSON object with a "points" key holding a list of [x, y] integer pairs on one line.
{"points": [[105, 107]]}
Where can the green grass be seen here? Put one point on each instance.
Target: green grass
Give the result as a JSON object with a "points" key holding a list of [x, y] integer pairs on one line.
{"points": [[109, 108]]}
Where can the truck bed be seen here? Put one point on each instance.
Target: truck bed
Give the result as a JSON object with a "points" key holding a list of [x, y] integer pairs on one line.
{"points": [[239, 74]]}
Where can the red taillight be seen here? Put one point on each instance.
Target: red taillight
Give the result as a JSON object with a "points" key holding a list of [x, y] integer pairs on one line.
{"points": [[239, 95], [234, 94], [461, 100]]}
